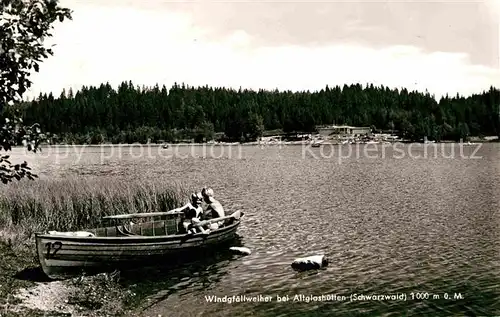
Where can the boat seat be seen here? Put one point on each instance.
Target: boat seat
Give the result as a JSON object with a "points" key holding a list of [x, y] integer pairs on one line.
{"points": [[157, 228], [124, 231]]}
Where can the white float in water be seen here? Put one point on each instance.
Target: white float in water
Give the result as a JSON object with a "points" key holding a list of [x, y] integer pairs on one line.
{"points": [[310, 263], [241, 250], [72, 234]]}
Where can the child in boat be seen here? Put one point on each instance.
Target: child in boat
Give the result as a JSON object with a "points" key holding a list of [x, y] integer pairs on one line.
{"points": [[191, 212], [214, 208]]}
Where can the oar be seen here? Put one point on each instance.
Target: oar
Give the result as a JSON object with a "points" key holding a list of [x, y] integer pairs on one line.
{"points": [[144, 215], [235, 215]]}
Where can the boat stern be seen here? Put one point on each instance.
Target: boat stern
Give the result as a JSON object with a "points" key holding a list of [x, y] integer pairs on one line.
{"points": [[40, 251]]}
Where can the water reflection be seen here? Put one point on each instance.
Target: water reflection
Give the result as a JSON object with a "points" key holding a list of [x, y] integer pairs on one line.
{"points": [[179, 276]]}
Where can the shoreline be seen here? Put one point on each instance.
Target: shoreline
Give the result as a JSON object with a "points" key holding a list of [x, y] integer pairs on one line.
{"points": [[25, 291], [53, 203], [257, 143]]}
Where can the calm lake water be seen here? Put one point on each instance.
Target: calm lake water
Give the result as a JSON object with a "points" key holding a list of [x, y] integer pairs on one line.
{"points": [[392, 221]]}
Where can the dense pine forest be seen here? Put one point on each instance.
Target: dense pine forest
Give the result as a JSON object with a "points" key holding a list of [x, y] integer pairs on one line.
{"points": [[138, 114]]}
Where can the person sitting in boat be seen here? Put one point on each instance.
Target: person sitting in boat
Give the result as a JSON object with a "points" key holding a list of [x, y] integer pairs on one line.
{"points": [[192, 211], [214, 208]]}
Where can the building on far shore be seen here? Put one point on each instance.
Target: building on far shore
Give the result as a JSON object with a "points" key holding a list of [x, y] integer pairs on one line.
{"points": [[343, 130]]}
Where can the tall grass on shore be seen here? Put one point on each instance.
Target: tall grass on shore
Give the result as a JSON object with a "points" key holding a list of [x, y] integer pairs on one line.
{"points": [[78, 203]]}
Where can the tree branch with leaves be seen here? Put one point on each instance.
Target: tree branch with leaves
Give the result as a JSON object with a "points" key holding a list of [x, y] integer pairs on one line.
{"points": [[24, 26]]}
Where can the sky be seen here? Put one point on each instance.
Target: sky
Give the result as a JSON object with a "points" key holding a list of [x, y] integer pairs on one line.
{"points": [[444, 47]]}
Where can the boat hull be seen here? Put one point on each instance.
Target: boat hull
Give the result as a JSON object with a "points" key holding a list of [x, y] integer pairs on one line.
{"points": [[64, 256]]}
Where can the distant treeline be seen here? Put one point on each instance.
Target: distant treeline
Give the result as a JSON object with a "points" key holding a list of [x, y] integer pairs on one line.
{"points": [[133, 114]]}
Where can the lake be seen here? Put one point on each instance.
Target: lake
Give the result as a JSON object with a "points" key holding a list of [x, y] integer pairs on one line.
{"points": [[419, 221]]}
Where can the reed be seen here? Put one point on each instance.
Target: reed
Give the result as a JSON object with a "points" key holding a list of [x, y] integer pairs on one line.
{"points": [[76, 203]]}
